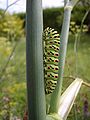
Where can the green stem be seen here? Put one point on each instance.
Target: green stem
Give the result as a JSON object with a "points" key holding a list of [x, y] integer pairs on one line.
{"points": [[84, 20], [76, 54], [62, 54], [63, 47], [34, 60], [2, 72], [75, 112], [65, 2]]}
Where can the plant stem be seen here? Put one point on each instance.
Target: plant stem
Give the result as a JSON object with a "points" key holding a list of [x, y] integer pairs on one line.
{"points": [[62, 53], [34, 60], [82, 22], [76, 54], [2, 72], [65, 2]]}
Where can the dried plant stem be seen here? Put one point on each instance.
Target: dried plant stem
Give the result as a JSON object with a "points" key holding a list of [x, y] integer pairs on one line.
{"points": [[6, 64], [86, 84], [8, 7]]}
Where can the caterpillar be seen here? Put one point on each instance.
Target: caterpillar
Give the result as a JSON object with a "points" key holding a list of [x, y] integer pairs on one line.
{"points": [[51, 43]]}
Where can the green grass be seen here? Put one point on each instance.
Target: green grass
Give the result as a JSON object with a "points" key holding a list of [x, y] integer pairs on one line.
{"points": [[77, 63], [13, 84]]}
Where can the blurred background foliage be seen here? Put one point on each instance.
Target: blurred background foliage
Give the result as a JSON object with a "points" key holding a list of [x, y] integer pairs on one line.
{"points": [[11, 27], [13, 63], [53, 17]]}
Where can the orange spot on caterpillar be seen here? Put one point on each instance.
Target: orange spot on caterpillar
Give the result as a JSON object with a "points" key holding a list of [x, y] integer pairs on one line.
{"points": [[56, 60], [48, 67], [51, 42], [56, 68], [56, 54], [48, 53], [50, 46], [55, 76], [48, 75]]}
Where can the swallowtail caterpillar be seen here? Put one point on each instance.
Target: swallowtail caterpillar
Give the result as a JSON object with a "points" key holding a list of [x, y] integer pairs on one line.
{"points": [[51, 43]]}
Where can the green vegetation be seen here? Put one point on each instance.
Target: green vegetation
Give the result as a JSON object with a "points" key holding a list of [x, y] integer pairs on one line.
{"points": [[82, 57], [13, 84], [53, 17], [12, 67], [11, 27], [78, 66]]}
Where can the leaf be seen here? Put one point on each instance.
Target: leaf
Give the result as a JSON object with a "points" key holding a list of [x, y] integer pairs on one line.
{"points": [[68, 97]]}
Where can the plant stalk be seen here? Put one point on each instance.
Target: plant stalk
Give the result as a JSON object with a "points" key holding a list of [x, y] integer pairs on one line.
{"points": [[62, 53], [34, 61]]}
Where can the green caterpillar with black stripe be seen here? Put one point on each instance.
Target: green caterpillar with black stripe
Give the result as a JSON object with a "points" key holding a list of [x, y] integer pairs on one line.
{"points": [[51, 43]]}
